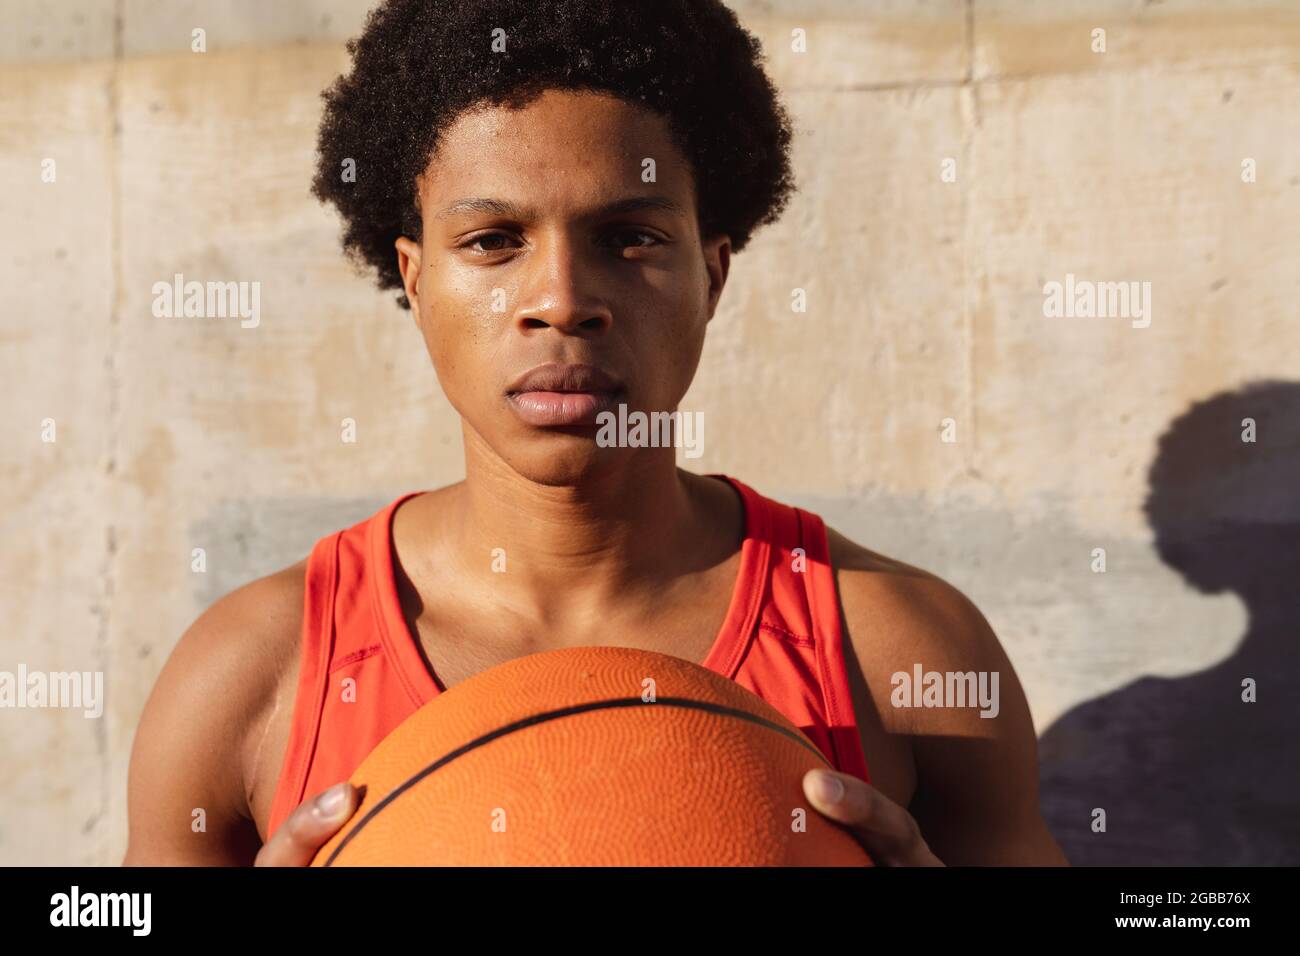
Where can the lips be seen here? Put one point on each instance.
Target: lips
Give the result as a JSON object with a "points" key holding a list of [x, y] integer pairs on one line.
{"points": [[557, 395]]}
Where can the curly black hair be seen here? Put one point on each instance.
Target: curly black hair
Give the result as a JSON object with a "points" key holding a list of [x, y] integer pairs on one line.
{"points": [[418, 64]]}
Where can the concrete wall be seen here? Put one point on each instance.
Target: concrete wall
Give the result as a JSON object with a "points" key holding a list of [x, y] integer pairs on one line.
{"points": [[925, 304]]}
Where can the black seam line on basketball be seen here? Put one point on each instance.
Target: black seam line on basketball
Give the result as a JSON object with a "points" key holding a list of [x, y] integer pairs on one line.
{"points": [[568, 712]]}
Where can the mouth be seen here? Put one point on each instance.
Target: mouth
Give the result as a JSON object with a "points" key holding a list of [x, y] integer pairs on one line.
{"points": [[564, 395]]}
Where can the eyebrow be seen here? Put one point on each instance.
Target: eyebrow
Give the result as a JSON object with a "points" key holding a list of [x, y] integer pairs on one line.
{"points": [[502, 207]]}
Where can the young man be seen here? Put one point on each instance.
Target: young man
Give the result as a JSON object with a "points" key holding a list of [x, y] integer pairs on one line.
{"points": [[556, 188]]}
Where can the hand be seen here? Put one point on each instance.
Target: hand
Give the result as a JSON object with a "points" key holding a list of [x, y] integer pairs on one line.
{"points": [[309, 827], [886, 830]]}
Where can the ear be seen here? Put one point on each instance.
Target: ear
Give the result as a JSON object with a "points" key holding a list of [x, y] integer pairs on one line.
{"points": [[717, 260], [408, 264]]}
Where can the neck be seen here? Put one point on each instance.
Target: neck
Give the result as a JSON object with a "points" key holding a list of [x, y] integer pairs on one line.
{"points": [[575, 550]]}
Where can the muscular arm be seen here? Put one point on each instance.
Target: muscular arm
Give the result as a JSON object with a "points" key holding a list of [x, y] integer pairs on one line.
{"points": [[976, 798], [197, 744]]}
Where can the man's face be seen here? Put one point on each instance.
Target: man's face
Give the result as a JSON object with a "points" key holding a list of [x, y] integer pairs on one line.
{"points": [[548, 271]]}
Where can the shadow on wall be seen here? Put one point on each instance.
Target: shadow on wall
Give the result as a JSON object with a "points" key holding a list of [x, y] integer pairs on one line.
{"points": [[1185, 770]]}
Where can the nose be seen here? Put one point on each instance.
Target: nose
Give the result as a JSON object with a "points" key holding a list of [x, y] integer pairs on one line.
{"points": [[560, 292]]}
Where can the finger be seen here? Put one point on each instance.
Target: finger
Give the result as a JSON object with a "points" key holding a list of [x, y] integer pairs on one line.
{"points": [[309, 828], [889, 833]]}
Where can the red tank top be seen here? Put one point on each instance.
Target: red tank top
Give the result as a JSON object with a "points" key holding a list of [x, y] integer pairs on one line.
{"points": [[781, 639]]}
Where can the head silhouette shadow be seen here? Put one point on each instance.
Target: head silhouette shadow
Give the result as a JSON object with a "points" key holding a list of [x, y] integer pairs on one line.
{"points": [[1187, 772]]}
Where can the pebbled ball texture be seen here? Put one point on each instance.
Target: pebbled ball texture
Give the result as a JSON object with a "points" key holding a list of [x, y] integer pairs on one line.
{"points": [[555, 759]]}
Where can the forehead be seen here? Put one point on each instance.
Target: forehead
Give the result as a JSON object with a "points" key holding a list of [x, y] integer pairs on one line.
{"points": [[563, 144]]}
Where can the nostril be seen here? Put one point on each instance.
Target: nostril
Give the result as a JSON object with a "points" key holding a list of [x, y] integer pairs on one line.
{"points": [[594, 324]]}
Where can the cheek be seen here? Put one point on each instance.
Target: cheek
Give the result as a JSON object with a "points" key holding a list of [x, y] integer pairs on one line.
{"points": [[457, 327], [680, 331], [668, 353]]}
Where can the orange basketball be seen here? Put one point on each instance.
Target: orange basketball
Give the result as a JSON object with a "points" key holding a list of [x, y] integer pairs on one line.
{"points": [[592, 756]]}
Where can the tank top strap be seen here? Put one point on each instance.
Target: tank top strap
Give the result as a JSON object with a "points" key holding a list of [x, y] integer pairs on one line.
{"points": [[795, 569], [800, 606], [315, 655], [347, 628], [823, 603]]}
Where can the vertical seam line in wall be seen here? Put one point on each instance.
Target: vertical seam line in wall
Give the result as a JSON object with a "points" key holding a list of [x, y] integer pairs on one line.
{"points": [[970, 116], [108, 572]]}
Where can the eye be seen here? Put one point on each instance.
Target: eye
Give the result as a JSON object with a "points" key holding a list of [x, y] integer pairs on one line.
{"points": [[487, 238], [635, 235]]}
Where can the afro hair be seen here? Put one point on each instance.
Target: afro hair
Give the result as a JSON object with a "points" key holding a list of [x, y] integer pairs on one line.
{"points": [[418, 64]]}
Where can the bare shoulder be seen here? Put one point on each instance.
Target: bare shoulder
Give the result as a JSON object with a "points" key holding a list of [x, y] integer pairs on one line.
{"points": [[971, 735], [899, 615], [198, 755]]}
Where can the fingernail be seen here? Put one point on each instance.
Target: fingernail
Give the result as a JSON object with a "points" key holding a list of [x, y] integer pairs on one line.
{"points": [[331, 801], [827, 787]]}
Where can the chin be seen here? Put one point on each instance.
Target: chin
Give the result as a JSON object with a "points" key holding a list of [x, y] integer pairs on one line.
{"points": [[564, 457]]}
